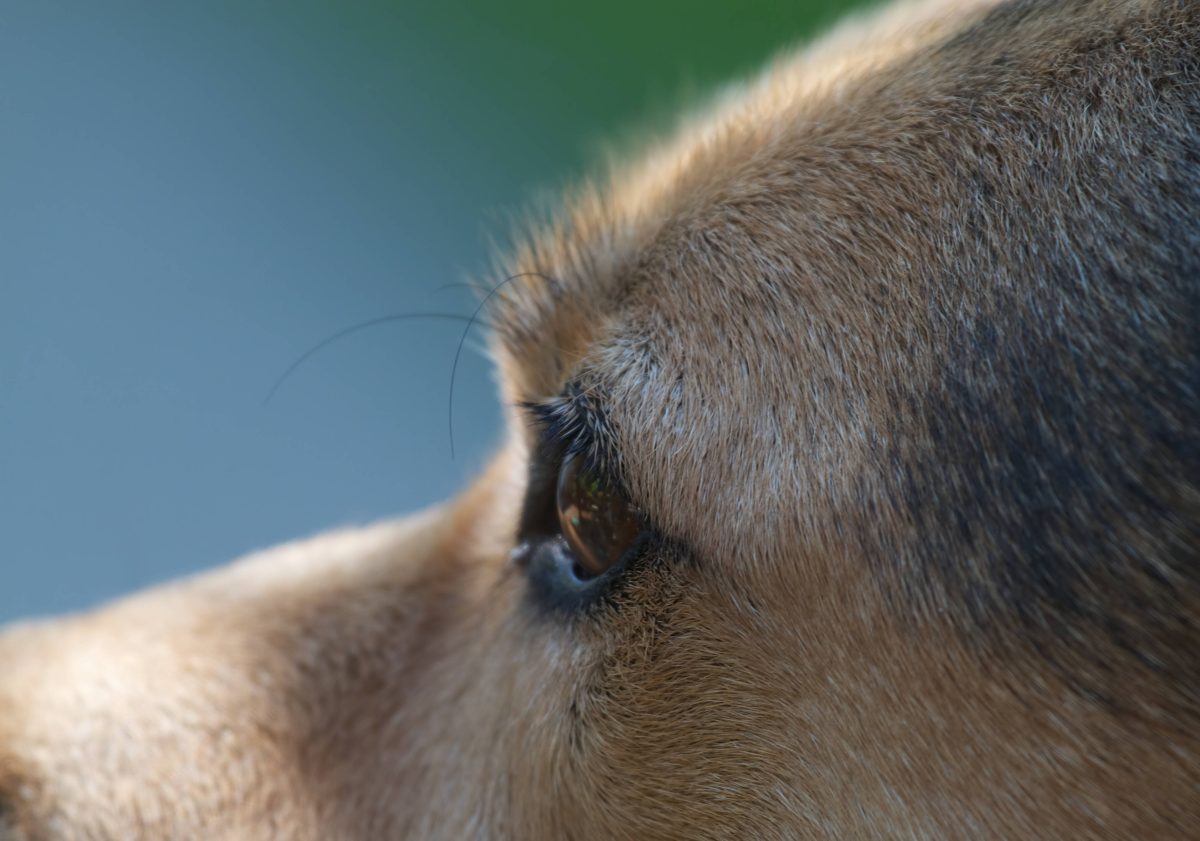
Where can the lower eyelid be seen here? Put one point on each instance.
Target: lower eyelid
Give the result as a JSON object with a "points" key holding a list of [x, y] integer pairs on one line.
{"points": [[553, 582]]}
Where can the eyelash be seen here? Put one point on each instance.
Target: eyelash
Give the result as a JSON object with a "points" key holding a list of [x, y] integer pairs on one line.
{"points": [[573, 426]]}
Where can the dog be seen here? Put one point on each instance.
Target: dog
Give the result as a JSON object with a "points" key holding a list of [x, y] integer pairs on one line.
{"points": [[850, 490]]}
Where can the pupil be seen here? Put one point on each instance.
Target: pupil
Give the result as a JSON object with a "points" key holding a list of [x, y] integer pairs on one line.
{"points": [[598, 523]]}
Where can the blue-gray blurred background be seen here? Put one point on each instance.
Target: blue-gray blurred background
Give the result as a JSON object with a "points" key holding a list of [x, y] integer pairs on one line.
{"points": [[193, 194]]}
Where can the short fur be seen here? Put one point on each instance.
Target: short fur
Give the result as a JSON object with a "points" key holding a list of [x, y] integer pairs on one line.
{"points": [[898, 349]]}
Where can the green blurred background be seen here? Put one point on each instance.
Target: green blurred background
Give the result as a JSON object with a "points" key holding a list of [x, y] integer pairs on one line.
{"points": [[193, 194]]}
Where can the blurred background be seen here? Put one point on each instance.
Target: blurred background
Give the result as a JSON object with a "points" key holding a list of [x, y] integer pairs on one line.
{"points": [[194, 194]]}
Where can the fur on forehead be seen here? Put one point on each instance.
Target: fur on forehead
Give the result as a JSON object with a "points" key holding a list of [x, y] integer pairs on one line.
{"points": [[560, 282], [800, 183], [845, 287]]}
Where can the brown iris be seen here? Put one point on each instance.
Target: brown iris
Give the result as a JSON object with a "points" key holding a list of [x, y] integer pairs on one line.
{"points": [[598, 522]]}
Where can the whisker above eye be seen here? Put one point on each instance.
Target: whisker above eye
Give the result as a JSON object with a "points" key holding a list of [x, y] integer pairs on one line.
{"points": [[356, 328], [462, 341]]}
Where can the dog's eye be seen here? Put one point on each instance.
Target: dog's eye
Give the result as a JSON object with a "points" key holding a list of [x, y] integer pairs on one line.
{"points": [[598, 522], [578, 530]]}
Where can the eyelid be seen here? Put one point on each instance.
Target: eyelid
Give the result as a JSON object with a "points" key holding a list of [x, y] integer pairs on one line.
{"points": [[558, 425], [575, 424]]}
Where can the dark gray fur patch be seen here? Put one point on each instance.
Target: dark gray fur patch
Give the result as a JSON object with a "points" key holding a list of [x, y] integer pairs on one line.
{"points": [[1051, 476]]}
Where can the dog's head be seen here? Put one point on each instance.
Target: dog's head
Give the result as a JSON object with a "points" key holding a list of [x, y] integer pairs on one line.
{"points": [[850, 491]]}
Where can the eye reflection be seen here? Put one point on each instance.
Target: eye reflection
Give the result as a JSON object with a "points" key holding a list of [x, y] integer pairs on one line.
{"points": [[598, 522]]}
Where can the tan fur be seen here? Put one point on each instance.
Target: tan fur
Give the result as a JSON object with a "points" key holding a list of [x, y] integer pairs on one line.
{"points": [[897, 342]]}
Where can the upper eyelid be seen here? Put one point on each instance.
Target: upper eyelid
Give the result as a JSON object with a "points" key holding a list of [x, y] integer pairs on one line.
{"points": [[577, 424]]}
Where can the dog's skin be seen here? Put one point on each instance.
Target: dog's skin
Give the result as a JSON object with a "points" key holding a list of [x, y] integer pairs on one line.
{"points": [[896, 352]]}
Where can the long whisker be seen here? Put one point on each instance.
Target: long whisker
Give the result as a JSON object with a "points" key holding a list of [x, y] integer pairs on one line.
{"points": [[355, 328], [474, 316]]}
